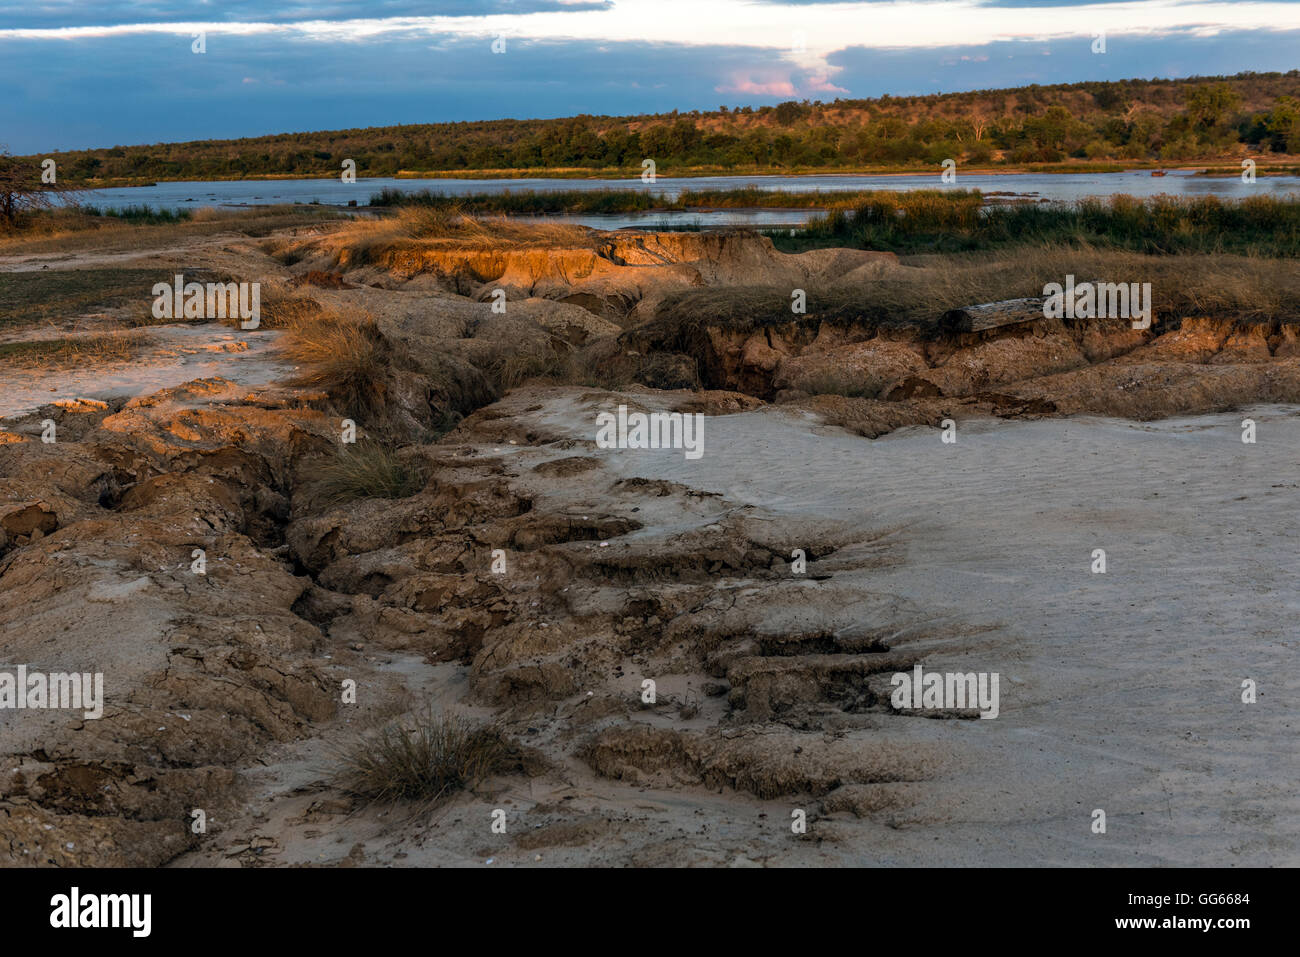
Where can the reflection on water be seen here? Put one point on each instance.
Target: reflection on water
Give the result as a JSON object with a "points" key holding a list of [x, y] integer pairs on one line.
{"points": [[1036, 186]]}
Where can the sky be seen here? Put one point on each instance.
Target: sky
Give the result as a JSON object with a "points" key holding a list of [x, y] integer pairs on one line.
{"points": [[95, 73]]}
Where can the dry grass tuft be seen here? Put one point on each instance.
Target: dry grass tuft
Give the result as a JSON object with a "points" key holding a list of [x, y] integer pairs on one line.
{"points": [[114, 346], [1217, 286], [507, 366], [376, 240], [345, 356], [291, 312], [72, 230], [493, 232], [367, 471], [424, 759]]}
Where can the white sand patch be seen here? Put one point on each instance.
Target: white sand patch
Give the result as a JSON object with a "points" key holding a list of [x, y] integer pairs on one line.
{"points": [[1120, 691], [171, 355]]}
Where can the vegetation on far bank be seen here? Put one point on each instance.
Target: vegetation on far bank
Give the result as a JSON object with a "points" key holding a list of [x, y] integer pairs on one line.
{"points": [[916, 221], [1268, 164], [1122, 121]]}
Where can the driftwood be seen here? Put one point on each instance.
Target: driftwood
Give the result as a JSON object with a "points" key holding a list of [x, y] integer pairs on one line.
{"points": [[991, 315]]}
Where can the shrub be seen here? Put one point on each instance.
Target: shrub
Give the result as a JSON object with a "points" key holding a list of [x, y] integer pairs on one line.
{"points": [[346, 357], [367, 471], [425, 758]]}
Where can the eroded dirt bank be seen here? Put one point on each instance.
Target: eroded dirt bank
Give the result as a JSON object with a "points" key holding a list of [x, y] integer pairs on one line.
{"points": [[1119, 691]]}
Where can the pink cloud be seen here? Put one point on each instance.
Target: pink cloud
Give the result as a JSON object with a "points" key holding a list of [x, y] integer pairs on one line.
{"points": [[773, 88], [779, 85], [823, 84]]}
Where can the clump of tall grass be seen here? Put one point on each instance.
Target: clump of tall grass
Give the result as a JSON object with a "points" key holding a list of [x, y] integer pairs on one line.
{"points": [[935, 221], [346, 356], [417, 228], [597, 364], [425, 758], [507, 366], [367, 470], [455, 224], [142, 214], [112, 346], [281, 309]]}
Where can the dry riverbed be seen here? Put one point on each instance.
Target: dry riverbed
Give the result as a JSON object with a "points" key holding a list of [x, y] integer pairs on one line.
{"points": [[535, 579], [1119, 691]]}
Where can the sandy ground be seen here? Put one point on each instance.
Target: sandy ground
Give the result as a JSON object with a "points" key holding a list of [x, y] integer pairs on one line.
{"points": [[171, 355], [1119, 691]]}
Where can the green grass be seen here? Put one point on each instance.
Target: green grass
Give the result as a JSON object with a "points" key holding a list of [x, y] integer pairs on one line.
{"points": [[635, 200], [931, 221], [143, 214], [1235, 171]]}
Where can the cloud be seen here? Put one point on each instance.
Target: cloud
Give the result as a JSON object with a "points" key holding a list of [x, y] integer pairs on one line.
{"points": [[821, 84], [132, 83], [1009, 63], [57, 14], [827, 26], [778, 84], [160, 92], [758, 88], [805, 36]]}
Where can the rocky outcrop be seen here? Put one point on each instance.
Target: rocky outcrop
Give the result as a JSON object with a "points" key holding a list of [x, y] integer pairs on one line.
{"points": [[619, 276]]}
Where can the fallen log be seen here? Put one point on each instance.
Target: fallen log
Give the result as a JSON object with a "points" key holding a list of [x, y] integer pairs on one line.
{"points": [[991, 315]]}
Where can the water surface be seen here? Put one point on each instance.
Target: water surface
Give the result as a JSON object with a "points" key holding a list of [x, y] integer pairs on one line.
{"points": [[1032, 186]]}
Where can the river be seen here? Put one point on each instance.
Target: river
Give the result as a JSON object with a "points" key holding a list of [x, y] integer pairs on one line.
{"points": [[1063, 187]]}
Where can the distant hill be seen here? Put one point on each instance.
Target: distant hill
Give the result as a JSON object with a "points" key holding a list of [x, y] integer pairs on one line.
{"points": [[1126, 120]]}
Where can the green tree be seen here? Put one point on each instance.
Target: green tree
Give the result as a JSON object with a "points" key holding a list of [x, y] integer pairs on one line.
{"points": [[1208, 105], [1283, 125]]}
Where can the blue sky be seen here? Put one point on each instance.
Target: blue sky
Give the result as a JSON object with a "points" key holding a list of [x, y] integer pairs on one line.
{"points": [[80, 73]]}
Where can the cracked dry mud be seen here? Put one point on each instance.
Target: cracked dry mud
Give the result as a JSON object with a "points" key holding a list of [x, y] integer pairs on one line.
{"points": [[1118, 691]]}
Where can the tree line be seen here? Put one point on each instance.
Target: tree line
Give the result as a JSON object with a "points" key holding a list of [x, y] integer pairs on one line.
{"points": [[1128, 120]]}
